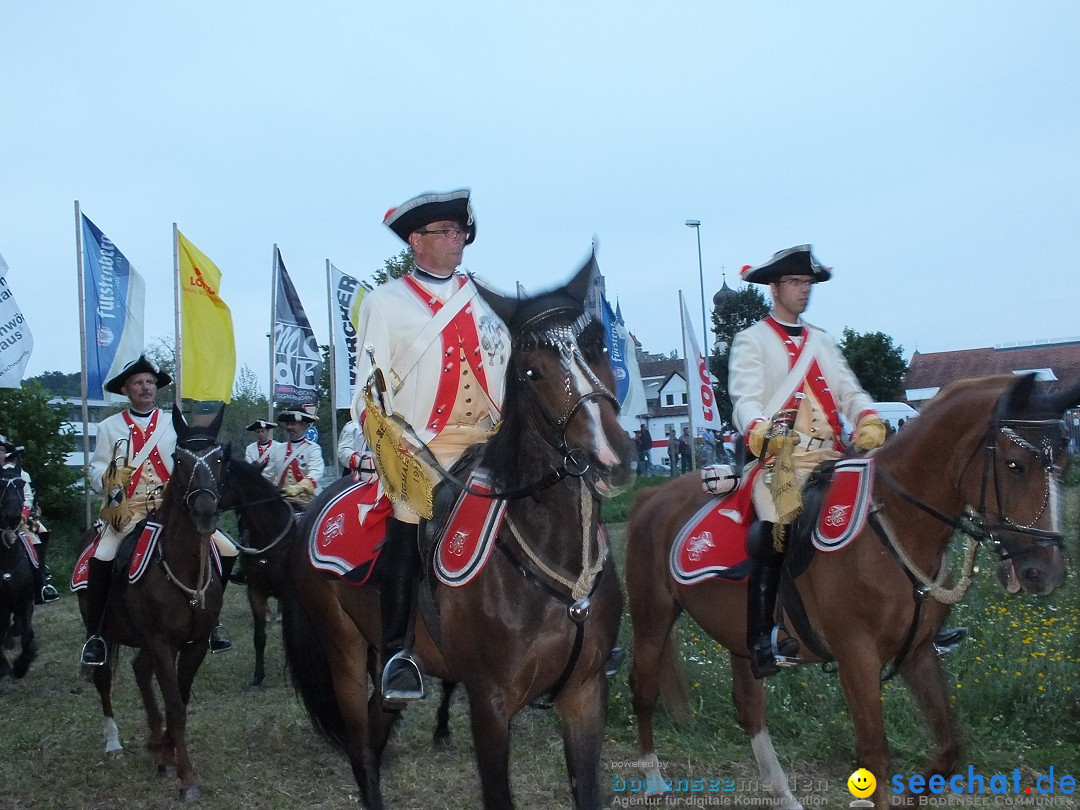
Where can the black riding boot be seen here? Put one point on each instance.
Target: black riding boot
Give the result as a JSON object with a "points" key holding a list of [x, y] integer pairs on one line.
{"points": [[400, 564], [95, 651], [767, 655], [219, 637]]}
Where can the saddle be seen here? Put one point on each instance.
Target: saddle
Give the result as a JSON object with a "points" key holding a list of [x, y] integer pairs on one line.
{"points": [[349, 529]]}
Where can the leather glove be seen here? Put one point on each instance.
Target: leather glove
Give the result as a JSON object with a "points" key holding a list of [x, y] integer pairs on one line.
{"points": [[870, 432], [125, 474], [755, 440], [304, 487]]}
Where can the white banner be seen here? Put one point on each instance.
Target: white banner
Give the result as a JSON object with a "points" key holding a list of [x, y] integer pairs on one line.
{"points": [[16, 342], [701, 398], [346, 293]]}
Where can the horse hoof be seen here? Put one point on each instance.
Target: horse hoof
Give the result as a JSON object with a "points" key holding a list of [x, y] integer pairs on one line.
{"points": [[441, 742], [253, 689], [191, 794], [115, 753]]}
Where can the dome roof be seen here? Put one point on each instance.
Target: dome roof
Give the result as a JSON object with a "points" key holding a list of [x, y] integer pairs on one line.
{"points": [[722, 295]]}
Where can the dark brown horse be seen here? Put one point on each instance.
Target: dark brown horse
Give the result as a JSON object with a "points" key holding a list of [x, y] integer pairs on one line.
{"points": [[16, 577], [984, 459], [268, 528], [168, 614], [541, 618]]}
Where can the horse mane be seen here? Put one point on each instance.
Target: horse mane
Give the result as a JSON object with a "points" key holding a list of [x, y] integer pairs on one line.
{"points": [[517, 448]]}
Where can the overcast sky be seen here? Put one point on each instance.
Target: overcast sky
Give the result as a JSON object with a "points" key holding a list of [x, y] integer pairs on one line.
{"points": [[929, 151]]}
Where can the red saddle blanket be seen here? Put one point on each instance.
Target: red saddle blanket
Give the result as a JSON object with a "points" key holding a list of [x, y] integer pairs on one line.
{"points": [[31, 551], [846, 504], [712, 544], [141, 556], [470, 533], [349, 530]]}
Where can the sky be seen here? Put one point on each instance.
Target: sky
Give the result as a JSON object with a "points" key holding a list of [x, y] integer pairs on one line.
{"points": [[930, 152]]}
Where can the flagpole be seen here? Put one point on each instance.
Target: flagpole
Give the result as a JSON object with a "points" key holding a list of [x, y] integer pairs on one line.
{"points": [[82, 353], [332, 358], [178, 358], [273, 322], [690, 377]]}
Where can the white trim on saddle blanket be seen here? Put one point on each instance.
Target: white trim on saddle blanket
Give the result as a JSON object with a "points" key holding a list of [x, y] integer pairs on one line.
{"points": [[145, 546], [713, 541], [349, 530], [846, 505], [469, 537], [31, 552]]}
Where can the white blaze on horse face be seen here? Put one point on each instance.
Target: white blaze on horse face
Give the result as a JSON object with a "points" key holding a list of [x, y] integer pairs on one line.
{"points": [[1056, 504], [590, 411]]}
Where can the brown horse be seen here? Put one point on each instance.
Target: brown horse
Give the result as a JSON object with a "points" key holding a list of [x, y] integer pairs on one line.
{"points": [[16, 578], [541, 617], [168, 614], [268, 528], [983, 459]]}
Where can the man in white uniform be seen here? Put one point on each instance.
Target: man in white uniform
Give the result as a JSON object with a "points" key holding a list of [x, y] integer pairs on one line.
{"points": [[297, 465], [260, 451], [783, 364], [443, 353], [11, 458], [148, 441]]}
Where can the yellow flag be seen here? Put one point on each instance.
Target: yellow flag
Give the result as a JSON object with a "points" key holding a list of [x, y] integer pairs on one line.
{"points": [[208, 350]]}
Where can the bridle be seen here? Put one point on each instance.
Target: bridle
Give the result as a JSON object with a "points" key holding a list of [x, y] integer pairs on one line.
{"points": [[201, 460]]}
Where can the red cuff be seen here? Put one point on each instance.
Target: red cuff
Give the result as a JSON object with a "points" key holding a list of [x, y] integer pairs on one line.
{"points": [[26, 511], [864, 414], [354, 461]]}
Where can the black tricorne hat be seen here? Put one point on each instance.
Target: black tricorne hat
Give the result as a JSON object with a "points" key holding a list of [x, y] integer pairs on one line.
{"points": [[795, 261], [295, 416], [260, 423], [140, 366], [8, 446], [430, 207]]}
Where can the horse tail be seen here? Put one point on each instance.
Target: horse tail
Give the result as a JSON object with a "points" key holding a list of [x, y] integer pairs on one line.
{"points": [[673, 687], [309, 669]]}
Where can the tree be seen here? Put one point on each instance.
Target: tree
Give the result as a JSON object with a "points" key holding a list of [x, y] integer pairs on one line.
{"points": [[30, 421], [395, 267], [735, 313], [877, 363], [59, 384]]}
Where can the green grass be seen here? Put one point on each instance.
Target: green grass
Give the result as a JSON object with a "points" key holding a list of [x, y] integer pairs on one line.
{"points": [[1015, 685]]}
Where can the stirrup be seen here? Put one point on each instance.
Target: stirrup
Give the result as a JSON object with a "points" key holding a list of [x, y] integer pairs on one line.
{"points": [[614, 661], [948, 639], [401, 679], [94, 652], [49, 594], [769, 654], [219, 640]]}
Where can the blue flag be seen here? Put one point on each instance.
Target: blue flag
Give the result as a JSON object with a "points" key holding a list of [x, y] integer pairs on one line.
{"points": [[616, 340], [113, 296]]}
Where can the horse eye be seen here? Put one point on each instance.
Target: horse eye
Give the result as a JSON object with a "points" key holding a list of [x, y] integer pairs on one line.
{"points": [[1015, 468], [532, 374]]}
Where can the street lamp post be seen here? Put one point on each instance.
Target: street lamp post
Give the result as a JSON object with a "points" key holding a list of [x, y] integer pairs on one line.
{"points": [[696, 225]]}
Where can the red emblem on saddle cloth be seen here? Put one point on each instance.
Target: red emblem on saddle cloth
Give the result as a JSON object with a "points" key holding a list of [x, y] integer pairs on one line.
{"points": [[846, 505], [469, 537], [713, 541], [81, 575], [349, 530], [31, 552]]}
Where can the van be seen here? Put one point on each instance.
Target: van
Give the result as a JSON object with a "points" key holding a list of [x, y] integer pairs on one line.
{"points": [[893, 412]]}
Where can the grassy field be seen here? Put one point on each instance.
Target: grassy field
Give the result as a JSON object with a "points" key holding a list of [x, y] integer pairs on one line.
{"points": [[1015, 685]]}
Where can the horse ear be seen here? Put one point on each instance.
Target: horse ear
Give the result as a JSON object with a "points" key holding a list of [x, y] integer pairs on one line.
{"points": [[503, 305], [578, 287], [1017, 397], [1063, 400], [215, 426]]}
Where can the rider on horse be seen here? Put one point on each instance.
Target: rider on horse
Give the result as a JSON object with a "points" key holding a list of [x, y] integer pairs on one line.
{"points": [[788, 383], [259, 452], [443, 352], [296, 465], [147, 440], [11, 458]]}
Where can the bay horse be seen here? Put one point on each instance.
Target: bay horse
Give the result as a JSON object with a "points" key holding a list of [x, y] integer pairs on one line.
{"points": [[268, 528], [167, 615], [541, 618], [16, 577], [984, 459]]}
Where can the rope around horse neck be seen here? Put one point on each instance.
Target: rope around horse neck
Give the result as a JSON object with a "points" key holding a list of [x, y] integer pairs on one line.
{"points": [[197, 596], [933, 587], [589, 569]]}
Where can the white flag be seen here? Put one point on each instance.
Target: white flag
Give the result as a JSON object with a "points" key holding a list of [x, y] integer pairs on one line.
{"points": [[701, 398], [16, 342], [345, 296]]}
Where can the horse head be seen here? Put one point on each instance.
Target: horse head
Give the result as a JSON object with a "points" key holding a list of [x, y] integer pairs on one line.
{"points": [[560, 368], [1015, 477], [198, 467], [12, 486]]}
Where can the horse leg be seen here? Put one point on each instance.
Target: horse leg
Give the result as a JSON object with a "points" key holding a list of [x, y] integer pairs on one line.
{"points": [[173, 752], [653, 659], [582, 711], [258, 602], [491, 739], [441, 738], [102, 677], [28, 651], [921, 671], [187, 664], [748, 694], [7, 635], [860, 677], [143, 667]]}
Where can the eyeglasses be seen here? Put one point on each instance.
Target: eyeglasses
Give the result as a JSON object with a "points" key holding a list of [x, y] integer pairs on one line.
{"points": [[797, 283], [449, 233]]}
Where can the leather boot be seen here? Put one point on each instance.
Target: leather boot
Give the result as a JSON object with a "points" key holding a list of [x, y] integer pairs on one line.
{"points": [[219, 636], [95, 651], [767, 654], [44, 590], [400, 563]]}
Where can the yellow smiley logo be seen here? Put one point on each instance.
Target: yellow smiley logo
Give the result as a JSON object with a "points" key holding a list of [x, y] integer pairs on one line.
{"points": [[861, 783]]}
